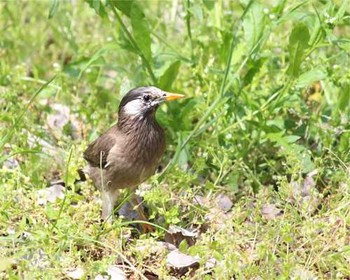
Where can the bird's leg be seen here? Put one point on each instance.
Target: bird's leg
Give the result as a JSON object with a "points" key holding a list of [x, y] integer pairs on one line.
{"points": [[109, 198], [145, 227]]}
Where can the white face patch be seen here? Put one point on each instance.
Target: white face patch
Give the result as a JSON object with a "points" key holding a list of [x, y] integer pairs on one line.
{"points": [[134, 107]]}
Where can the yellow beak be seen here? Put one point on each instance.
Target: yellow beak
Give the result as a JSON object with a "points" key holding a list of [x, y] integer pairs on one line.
{"points": [[173, 96]]}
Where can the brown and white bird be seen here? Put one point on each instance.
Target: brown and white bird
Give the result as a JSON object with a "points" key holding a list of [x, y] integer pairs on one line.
{"points": [[129, 152]]}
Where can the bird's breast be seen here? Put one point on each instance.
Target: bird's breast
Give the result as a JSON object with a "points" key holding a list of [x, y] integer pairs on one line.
{"points": [[147, 146]]}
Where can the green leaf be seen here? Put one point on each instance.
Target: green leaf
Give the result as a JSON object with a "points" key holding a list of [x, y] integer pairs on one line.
{"points": [[278, 138], [311, 76], [183, 246], [97, 5], [253, 25], [306, 162], [298, 43], [291, 138], [123, 6], [344, 99], [99, 54], [342, 9], [169, 76], [209, 4], [53, 8], [141, 31]]}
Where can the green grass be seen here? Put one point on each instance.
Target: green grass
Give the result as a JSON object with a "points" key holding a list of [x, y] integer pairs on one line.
{"points": [[266, 122]]}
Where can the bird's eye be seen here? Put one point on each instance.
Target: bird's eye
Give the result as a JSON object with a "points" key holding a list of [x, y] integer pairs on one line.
{"points": [[147, 97]]}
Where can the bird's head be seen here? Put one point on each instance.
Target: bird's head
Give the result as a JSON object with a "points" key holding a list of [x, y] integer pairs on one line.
{"points": [[144, 101]]}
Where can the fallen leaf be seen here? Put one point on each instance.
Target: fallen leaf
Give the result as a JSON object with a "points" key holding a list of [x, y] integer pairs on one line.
{"points": [[50, 194], [116, 273], [210, 263], [11, 163], [304, 194], [270, 211], [224, 202], [75, 273], [309, 183], [101, 277], [176, 229], [58, 119], [175, 235]]}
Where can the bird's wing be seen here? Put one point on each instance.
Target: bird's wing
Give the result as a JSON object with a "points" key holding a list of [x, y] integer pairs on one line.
{"points": [[97, 152]]}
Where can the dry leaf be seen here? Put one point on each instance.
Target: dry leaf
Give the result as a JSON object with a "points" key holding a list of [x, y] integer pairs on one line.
{"points": [[176, 229], [59, 118], [176, 235], [211, 263], [270, 211], [50, 194], [176, 259], [75, 273], [224, 202], [101, 277], [116, 273]]}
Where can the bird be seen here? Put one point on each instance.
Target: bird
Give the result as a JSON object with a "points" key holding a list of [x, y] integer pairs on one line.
{"points": [[129, 152]]}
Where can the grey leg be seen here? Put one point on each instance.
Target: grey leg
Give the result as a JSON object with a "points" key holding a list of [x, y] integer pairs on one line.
{"points": [[109, 198]]}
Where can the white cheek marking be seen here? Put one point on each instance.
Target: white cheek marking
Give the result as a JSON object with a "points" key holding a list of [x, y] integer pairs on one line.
{"points": [[133, 107]]}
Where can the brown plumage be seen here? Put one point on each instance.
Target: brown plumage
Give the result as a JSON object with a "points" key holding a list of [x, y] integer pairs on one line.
{"points": [[129, 152]]}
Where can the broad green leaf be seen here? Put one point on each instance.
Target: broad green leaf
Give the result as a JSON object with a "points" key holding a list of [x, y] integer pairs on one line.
{"points": [[141, 31], [283, 140], [97, 5], [279, 7], [253, 25], [298, 43], [53, 8], [306, 162], [331, 92], [311, 76], [123, 6], [279, 123], [209, 4], [169, 75], [294, 14], [291, 138], [278, 138]]}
